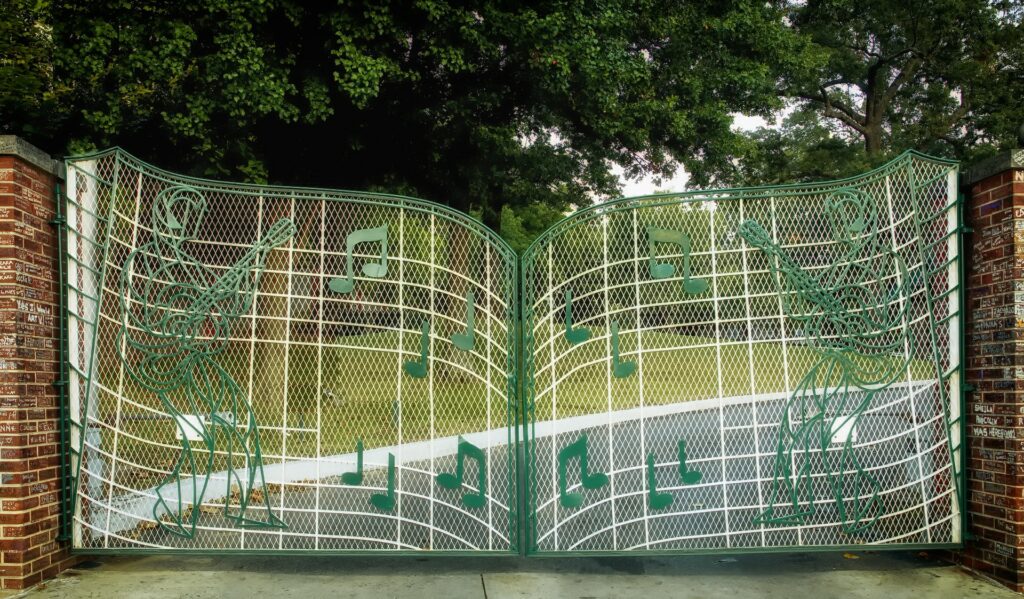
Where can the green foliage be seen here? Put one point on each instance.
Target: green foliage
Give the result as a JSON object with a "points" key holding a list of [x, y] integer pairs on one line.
{"points": [[876, 77], [477, 105], [27, 104]]}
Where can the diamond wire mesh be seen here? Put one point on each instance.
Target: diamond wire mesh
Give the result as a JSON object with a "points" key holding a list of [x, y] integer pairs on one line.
{"points": [[228, 392], [797, 386]]}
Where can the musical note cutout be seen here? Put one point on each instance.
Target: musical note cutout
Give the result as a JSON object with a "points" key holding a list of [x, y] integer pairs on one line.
{"points": [[589, 480], [664, 270], [690, 477], [355, 478], [579, 334], [418, 370], [657, 501], [464, 341], [454, 481], [620, 369], [371, 269], [386, 501]]}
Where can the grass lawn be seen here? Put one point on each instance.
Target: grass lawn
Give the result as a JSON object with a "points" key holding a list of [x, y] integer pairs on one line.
{"points": [[354, 394]]}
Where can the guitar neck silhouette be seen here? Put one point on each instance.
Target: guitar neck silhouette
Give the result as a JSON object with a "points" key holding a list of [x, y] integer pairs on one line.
{"points": [[228, 287], [805, 285]]}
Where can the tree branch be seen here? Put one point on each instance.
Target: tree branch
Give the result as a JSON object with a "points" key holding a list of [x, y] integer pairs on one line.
{"points": [[837, 110]]}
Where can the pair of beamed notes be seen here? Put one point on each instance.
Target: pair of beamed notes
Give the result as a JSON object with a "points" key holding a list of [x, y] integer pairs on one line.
{"points": [[466, 340], [346, 284], [471, 499], [476, 499], [579, 450]]}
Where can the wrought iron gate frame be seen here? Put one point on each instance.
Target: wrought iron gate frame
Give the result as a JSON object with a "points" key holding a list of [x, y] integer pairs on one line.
{"points": [[519, 391], [956, 425], [471, 224]]}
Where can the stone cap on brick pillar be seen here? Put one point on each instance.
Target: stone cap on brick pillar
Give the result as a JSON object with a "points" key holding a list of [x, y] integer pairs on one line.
{"points": [[12, 145], [1001, 162]]}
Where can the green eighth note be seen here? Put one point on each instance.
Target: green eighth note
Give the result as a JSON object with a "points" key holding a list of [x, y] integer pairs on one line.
{"points": [[620, 369], [657, 501], [464, 341], [386, 501], [418, 370], [371, 269], [664, 270]]}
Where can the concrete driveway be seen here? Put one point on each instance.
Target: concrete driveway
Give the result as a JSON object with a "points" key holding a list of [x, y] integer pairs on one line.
{"points": [[884, 575]]}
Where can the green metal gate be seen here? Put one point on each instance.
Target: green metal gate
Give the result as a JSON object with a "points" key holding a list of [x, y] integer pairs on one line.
{"points": [[260, 368], [267, 369], [748, 369]]}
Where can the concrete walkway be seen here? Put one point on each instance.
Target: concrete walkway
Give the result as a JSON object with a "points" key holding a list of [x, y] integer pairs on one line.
{"points": [[885, 575]]}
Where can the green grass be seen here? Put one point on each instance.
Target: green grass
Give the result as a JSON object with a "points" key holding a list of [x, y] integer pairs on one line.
{"points": [[355, 395]]}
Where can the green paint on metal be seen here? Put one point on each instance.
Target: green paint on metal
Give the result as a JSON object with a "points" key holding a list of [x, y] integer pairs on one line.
{"points": [[355, 478], [177, 316], [589, 480], [863, 349], [664, 270], [573, 335], [473, 500], [688, 476], [840, 358], [418, 369], [620, 369], [466, 340], [371, 269], [386, 501], [656, 500]]}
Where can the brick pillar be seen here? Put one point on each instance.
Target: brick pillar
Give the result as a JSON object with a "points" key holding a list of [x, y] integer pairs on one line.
{"points": [[29, 358], [995, 367]]}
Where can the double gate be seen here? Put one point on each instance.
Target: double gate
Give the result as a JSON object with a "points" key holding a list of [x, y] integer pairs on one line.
{"points": [[255, 368]]}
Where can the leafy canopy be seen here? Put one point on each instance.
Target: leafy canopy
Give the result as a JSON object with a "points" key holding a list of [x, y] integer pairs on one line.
{"points": [[876, 77], [481, 105]]}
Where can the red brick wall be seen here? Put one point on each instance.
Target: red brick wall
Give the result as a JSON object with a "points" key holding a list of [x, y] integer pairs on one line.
{"points": [[995, 366], [29, 354]]}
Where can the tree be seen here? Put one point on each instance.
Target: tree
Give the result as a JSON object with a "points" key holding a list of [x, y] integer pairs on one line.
{"points": [[879, 76], [478, 105], [27, 102]]}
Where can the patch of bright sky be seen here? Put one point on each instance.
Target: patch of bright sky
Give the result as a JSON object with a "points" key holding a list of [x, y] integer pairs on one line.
{"points": [[646, 185]]}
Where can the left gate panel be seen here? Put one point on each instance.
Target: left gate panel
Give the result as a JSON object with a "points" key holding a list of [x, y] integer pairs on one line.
{"points": [[284, 369]]}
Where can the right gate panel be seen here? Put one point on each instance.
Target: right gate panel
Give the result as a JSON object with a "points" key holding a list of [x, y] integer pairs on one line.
{"points": [[748, 369]]}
